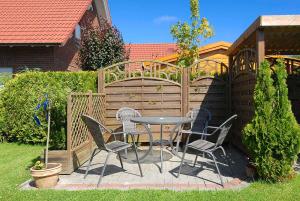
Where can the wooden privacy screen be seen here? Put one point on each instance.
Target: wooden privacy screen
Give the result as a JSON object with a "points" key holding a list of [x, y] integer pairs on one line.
{"points": [[243, 75], [152, 88], [161, 89], [79, 142], [208, 88]]}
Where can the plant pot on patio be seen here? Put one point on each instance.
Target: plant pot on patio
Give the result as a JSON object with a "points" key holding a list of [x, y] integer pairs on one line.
{"points": [[46, 177], [45, 174], [251, 171]]}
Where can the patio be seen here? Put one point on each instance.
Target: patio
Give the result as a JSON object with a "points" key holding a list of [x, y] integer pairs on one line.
{"points": [[201, 177]]}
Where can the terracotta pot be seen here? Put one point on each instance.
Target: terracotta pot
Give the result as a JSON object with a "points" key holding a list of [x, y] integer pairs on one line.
{"points": [[251, 170], [46, 178]]}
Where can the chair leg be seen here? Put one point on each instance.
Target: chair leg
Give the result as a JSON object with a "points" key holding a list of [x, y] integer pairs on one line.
{"points": [[102, 172], [226, 159], [195, 160], [137, 157], [120, 158], [214, 158], [90, 161], [125, 140], [185, 149]]}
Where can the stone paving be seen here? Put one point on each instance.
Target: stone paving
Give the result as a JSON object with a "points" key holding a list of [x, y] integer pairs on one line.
{"points": [[201, 177]]}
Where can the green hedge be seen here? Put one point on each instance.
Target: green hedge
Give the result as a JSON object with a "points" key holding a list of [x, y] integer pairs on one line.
{"points": [[21, 95]]}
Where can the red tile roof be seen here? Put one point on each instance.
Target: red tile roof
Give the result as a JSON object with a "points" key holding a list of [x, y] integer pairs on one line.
{"points": [[150, 51], [39, 21]]}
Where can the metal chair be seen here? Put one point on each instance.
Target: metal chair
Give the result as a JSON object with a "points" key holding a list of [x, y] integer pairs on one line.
{"points": [[201, 118], [124, 115], [97, 129], [207, 147]]}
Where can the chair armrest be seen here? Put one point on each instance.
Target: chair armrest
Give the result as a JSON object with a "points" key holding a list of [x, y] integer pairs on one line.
{"points": [[212, 127], [196, 133], [118, 133]]}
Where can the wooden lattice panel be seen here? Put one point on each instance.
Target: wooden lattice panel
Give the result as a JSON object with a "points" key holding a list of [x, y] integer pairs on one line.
{"points": [[79, 133], [99, 107], [79, 104]]}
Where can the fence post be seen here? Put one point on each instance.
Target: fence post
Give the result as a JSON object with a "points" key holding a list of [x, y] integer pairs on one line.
{"points": [[69, 130], [101, 81], [185, 91]]}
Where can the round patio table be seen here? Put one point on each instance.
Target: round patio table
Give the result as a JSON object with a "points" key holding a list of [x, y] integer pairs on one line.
{"points": [[177, 121]]}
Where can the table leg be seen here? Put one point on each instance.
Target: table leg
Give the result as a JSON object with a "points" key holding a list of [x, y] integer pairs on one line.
{"points": [[161, 148]]}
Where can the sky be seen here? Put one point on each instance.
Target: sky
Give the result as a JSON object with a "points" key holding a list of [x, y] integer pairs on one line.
{"points": [[149, 21]]}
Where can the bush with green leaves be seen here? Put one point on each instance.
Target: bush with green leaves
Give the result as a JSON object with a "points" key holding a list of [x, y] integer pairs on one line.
{"points": [[272, 137], [21, 95], [102, 47]]}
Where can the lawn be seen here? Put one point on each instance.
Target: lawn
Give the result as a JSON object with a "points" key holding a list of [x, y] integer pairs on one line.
{"points": [[15, 160]]}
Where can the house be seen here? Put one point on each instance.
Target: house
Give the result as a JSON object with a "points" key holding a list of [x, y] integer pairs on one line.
{"points": [[167, 52], [215, 51], [45, 34], [150, 51]]}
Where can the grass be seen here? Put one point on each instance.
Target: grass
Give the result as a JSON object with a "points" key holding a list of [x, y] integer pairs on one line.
{"points": [[16, 159]]}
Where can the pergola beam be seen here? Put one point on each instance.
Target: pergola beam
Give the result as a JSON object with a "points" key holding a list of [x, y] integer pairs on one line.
{"points": [[260, 46]]}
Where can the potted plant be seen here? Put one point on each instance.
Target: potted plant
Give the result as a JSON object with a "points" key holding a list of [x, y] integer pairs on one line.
{"points": [[45, 175], [251, 170]]}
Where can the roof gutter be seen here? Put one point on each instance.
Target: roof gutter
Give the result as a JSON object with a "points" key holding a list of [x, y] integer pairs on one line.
{"points": [[29, 44]]}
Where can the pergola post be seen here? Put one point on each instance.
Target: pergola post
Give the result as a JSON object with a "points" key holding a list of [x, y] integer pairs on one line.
{"points": [[260, 46]]}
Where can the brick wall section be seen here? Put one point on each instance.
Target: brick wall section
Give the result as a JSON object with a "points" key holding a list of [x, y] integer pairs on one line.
{"points": [[30, 57], [52, 58]]}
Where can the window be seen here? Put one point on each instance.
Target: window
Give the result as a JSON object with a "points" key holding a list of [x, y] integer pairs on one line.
{"points": [[5, 75], [90, 8], [78, 32]]}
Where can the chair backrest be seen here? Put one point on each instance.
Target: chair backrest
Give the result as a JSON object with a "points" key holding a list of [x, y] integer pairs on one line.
{"points": [[124, 115], [201, 117], [224, 129], [96, 129]]}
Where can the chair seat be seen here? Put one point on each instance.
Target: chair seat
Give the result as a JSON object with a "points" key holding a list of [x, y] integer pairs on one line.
{"points": [[201, 145], [116, 146]]}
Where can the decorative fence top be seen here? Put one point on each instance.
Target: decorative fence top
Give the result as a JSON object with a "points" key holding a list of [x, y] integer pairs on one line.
{"points": [[244, 61], [144, 68], [162, 70], [208, 68]]}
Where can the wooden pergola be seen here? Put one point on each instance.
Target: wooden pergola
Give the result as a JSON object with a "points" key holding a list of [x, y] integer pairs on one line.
{"points": [[270, 35]]}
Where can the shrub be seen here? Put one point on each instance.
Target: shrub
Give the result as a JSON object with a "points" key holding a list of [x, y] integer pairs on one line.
{"points": [[102, 47], [272, 137], [21, 95]]}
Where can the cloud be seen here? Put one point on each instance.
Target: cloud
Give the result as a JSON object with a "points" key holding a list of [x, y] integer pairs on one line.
{"points": [[165, 19]]}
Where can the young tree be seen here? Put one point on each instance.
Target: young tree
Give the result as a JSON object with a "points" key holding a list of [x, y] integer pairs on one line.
{"points": [[287, 129], [272, 137], [189, 35], [102, 47]]}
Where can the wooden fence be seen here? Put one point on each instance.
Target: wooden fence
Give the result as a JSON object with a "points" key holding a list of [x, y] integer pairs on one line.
{"points": [[156, 88]]}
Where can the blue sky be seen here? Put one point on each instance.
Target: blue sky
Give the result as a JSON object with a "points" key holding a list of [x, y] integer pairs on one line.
{"points": [[149, 21]]}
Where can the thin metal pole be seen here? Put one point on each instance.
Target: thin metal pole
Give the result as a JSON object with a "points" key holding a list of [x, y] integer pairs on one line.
{"points": [[48, 135], [161, 148]]}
